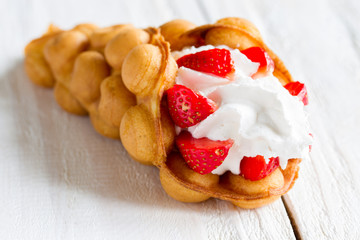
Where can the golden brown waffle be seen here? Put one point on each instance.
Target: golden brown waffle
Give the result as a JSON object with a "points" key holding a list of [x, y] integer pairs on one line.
{"points": [[118, 76]]}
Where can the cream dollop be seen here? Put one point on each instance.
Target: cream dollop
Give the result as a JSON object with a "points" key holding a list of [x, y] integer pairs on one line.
{"points": [[259, 115]]}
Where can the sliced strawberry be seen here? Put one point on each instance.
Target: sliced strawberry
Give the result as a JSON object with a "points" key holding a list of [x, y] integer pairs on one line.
{"points": [[202, 155], [188, 108], [215, 61], [255, 168], [298, 89], [259, 55]]}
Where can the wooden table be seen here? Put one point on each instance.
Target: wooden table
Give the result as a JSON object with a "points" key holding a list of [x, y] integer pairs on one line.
{"points": [[59, 179]]}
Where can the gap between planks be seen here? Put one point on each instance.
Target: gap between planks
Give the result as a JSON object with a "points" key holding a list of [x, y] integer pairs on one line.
{"points": [[293, 221]]}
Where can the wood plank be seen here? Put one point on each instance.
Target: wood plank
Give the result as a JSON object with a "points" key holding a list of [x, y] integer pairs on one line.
{"points": [[61, 180]]}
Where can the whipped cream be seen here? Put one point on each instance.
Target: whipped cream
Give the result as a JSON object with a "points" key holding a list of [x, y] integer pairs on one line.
{"points": [[260, 115]]}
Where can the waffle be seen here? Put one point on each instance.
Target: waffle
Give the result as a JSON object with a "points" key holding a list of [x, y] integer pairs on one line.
{"points": [[117, 75]]}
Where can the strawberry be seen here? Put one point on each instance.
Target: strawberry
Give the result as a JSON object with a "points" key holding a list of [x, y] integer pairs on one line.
{"points": [[202, 155], [214, 61], [255, 168], [187, 107], [298, 89], [259, 55]]}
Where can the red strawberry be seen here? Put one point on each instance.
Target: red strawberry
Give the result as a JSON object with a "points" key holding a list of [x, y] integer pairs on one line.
{"points": [[188, 108], [259, 55], [215, 61], [202, 155], [255, 168], [298, 89]]}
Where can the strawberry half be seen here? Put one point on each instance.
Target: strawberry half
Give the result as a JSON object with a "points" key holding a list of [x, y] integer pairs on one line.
{"points": [[188, 108], [202, 155], [298, 89], [259, 55], [215, 61], [255, 168]]}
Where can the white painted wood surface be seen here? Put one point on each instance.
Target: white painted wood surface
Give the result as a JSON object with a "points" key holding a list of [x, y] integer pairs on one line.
{"points": [[59, 179]]}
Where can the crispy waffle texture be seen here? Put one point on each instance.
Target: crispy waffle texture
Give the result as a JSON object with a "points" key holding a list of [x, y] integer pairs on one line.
{"points": [[117, 75]]}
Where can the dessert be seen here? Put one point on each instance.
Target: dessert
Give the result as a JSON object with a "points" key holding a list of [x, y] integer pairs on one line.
{"points": [[210, 106]]}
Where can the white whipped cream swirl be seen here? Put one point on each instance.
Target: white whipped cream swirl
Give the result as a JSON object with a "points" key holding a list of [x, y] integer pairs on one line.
{"points": [[259, 115]]}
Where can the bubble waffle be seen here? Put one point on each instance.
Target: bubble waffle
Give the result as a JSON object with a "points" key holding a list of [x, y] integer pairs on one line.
{"points": [[118, 76]]}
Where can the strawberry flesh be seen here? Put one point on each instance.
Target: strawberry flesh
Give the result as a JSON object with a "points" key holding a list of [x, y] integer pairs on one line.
{"points": [[259, 55], [255, 168], [202, 155], [187, 107], [298, 89], [214, 61]]}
